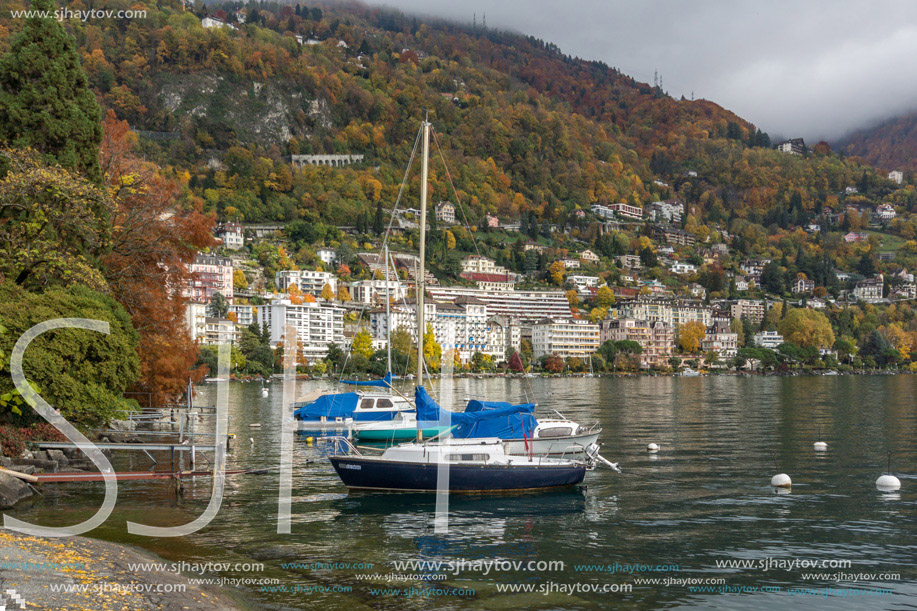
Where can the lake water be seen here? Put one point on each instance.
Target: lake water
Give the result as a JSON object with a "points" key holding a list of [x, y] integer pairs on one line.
{"points": [[675, 517]]}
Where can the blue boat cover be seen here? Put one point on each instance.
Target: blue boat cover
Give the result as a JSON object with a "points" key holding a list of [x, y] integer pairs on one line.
{"points": [[385, 382], [339, 405], [503, 420]]}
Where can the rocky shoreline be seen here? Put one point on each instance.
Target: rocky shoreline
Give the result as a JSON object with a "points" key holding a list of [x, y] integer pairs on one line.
{"points": [[79, 573]]}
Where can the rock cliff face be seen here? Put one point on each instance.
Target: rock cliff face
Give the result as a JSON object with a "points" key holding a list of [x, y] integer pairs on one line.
{"points": [[263, 113], [12, 490]]}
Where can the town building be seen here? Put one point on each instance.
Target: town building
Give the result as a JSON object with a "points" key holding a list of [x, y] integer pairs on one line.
{"points": [[316, 325], [768, 339], [682, 268], [370, 292], [308, 281], [328, 256], [589, 257], [896, 176], [629, 261], [885, 212], [486, 274], [721, 340], [674, 312], [870, 290], [856, 236], [669, 211], [656, 338], [674, 235], [491, 221], [570, 263], [905, 290], [210, 274], [582, 284], [445, 213], [564, 337], [752, 309], [795, 146], [245, 314], [803, 286], [521, 305], [627, 211], [232, 235]]}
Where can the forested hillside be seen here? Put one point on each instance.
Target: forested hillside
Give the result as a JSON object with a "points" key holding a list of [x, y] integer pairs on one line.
{"points": [[525, 128], [891, 145]]}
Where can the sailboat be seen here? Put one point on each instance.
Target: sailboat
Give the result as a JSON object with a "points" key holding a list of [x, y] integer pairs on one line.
{"points": [[477, 464]]}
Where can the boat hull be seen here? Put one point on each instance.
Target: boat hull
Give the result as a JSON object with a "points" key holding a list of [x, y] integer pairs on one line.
{"points": [[571, 446], [397, 434], [374, 474]]}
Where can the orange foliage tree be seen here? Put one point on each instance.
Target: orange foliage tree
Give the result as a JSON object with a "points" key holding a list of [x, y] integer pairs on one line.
{"points": [[155, 237]]}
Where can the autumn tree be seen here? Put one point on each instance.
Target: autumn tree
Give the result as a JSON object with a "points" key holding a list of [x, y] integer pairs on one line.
{"points": [[556, 272], [155, 238], [432, 351], [327, 292], [553, 364], [45, 99], [343, 294], [362, 344], [690, 335], [572, 298], [806, 328], [604, 297]]}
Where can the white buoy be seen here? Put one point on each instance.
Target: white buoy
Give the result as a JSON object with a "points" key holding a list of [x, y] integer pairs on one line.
{"points": [[781, 480], [252, 439], [820, 446], [652, 448], [264, 392], [888, 483]]}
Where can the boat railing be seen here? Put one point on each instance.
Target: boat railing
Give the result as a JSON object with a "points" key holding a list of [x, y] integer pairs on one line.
{"points": [[342, 445]]}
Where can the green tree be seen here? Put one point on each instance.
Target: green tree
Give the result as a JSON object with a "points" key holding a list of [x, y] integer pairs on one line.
{"points": [[218, 306], [83, 374], [45, 99], [54, 225]]}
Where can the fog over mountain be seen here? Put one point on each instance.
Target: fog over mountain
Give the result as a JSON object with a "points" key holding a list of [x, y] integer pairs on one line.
{"points": [[814, 69]]}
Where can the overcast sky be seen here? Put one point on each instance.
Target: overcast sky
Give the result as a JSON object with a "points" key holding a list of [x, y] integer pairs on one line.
{"points": [[807, 68]]}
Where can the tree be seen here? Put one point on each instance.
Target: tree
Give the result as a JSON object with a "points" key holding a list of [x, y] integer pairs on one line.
{"points": [[54, 225], [343, 293], [556, 272], [218, 306], [515, 363], [572, 298], [553, 364], [690, 335], [481, 361], [83, 374], [45, 99], [432, 351], [604, 297], [401, 341], [362, 344], [378, 219], [238, 279], [327, 292], [154, 242], [806, 328]]}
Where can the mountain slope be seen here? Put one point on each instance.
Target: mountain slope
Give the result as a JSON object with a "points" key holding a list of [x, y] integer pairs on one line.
{"points": [[891, 145]]}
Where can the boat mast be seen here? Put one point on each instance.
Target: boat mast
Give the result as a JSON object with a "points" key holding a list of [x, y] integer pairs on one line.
{"points": [[423, 238], [388, 314]]}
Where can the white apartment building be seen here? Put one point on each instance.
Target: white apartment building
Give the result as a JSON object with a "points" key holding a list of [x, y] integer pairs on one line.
{"points": [[627, 211], [682, 268], [674, 312], [724, 343], [768, 339], [463, 325], [209, 274], [582, 284], [245, 314], [486, 274], [328, 256], [316, 326], [208, 330], [896, 176], [445, 212], [666, 211], [570, 337], [232, 235], [374, 291], [521, 305], [308, 281]]}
